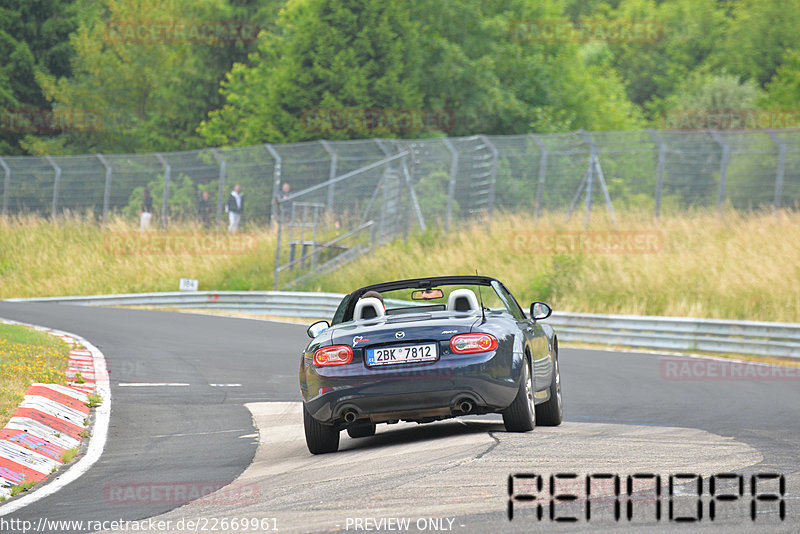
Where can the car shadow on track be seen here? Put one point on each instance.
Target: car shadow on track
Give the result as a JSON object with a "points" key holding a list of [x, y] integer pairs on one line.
{"points": [[391, 435]]}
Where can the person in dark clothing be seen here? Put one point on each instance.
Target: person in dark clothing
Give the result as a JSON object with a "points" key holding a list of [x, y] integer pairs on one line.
{"points": [[146, 213], [235, 208], [204, 210]]}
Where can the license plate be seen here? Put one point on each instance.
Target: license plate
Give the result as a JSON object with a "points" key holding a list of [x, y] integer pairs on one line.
{"points": [[404, 354]]}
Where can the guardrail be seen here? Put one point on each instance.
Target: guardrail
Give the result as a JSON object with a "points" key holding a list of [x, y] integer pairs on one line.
{"points": [[278, 303], [636, 331]]}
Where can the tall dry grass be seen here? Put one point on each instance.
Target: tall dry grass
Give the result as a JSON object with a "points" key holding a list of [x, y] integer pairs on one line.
{"points": [[730, 265], [75, 256]]}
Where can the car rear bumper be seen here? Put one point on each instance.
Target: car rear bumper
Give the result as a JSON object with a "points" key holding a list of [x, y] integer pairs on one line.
{"points": [[415, 393]]}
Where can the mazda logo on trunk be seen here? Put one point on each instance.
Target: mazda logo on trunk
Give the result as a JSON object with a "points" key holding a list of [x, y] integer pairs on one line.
{"points": [[400, 334]]}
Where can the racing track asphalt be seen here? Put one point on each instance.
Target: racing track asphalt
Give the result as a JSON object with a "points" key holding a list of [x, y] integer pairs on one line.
{"points": [[203, 433], [173, 435]]}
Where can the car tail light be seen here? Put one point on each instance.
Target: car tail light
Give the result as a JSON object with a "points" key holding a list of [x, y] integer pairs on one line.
{"points": [[471, 343], [334, 355]]}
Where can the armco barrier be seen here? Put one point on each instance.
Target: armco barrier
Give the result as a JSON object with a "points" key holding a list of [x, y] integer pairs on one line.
{"points": [[659, 333], [279, 303]]}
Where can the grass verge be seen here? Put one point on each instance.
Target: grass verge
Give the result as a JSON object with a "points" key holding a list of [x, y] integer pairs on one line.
{"points": [[76, 256], [27, 356], [707, 265], [730, 265]]}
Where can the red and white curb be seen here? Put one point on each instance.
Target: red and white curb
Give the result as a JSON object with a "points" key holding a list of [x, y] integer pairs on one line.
{"points": [[51, 420]]}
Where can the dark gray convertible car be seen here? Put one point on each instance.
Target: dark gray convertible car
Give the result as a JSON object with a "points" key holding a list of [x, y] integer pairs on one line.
{"points": [[428, 349]]}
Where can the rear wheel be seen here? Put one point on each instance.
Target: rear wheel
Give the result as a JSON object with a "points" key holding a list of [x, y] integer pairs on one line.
{"points": [[320, 438], [549, 413], [520, 416], [361, 430]]}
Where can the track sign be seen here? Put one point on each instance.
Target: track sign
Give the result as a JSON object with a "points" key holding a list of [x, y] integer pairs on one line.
{"points": [[188, 284]]}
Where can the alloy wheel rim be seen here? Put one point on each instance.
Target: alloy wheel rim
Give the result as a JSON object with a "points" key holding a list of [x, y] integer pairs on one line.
{"points": [[529, 390], [558, 386]]}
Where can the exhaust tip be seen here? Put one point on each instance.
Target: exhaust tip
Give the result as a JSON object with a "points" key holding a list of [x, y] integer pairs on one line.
{"points": [[464, 406], [350, 416]]}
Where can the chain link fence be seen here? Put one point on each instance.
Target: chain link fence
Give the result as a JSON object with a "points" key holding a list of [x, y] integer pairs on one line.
{"points": [[461, 178], [332, 200]]}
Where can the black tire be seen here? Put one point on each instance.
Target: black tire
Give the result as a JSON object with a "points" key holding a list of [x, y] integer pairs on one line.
{"points": [[550, 413], [520, 416], [361, 430], [320, 438]]}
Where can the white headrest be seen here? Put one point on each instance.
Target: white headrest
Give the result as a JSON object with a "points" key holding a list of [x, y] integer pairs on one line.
{"points": [[368, 308], [463, 300]]}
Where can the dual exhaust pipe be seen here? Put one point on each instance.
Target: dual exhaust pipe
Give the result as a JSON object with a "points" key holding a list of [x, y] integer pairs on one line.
{"points": [[463, 406]]}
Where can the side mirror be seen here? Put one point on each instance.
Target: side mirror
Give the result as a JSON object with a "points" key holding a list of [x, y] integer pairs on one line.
{"points": [[540, 310], [317, 328]]}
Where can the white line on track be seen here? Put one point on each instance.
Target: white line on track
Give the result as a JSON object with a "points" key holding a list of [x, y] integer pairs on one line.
{"points": [[226, 385]]}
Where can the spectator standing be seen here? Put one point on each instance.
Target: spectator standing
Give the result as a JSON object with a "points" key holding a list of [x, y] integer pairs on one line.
{"points": [[146, 213], [204, 210], [235, 208]]}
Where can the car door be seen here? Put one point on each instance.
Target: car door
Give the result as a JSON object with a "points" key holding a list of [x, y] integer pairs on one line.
{"points": [[535, 340]]}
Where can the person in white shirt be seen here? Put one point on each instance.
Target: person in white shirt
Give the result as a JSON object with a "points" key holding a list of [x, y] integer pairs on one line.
{"points": [[235, 207]]}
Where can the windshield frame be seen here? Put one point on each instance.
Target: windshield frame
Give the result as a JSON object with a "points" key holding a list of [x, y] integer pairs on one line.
{"points": [[344, 313]]}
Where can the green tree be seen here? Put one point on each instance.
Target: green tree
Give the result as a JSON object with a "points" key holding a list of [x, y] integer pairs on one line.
{"points": [[149, 93], [33, 37], [783, 92], [458, 55], [652, 70], [759, 33], [486, 62], [324, 55], [704, 91]]}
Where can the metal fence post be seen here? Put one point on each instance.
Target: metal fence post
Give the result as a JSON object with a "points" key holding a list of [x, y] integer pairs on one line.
{"points": [[164, 204], [332, 173], [723, 167], [493, 175], [6, 185], [277, 216], [223, 169], [662, 155], [589, 188], [56, 184], [780, 171], [276, 184], [107, 192], [412, 196], [383, 148], [542, 173], [451, 186]]}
